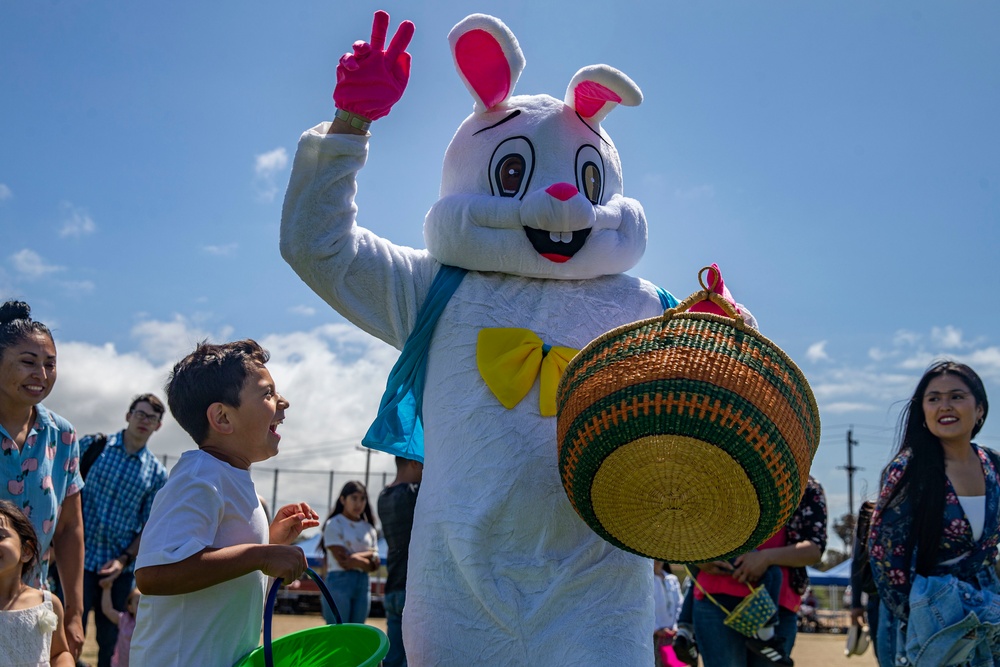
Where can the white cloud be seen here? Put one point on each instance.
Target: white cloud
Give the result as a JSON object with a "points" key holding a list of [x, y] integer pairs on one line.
{"points": [[905, 338], [305, 311], [333, 377], [169, 341], [845, 407], [271, 162], [267, 166], [5, 192], [221, 250], [29, 264], [76, 222], [947, 337], [817, 352]]}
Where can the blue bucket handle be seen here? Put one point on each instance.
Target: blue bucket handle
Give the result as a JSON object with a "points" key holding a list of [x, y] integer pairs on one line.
{"points": [[272, 597]]}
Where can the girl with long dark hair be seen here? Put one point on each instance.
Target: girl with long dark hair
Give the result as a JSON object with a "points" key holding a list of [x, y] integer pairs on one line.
{"points": [[937, 513], [350, 543]]}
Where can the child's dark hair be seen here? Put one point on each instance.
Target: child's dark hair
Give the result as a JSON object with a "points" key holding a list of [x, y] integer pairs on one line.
{"points": [[349, 488], [210, 374], [21, 525], [16, 324]]}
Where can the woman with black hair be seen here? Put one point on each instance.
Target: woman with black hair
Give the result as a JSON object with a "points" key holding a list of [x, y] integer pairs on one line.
{"points": [[39, 456], [350, 543], [937, 514]]}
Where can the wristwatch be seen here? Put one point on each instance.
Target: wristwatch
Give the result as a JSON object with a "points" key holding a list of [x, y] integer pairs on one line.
{"points": [[125, 559]]}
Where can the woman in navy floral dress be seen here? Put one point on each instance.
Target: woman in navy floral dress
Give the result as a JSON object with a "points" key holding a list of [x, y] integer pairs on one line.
{"points": [[937, 512]]}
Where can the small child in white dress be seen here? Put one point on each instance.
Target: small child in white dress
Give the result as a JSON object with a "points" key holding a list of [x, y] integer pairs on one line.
{"points": [[31, 621]]}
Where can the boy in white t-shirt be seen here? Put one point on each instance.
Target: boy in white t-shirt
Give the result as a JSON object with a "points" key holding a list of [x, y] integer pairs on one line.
{"points": [[207, 550]]}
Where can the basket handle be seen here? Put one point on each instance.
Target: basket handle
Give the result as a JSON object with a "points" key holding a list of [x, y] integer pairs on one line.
{"points": [[272, 597], [694, 578], [706, 294]]}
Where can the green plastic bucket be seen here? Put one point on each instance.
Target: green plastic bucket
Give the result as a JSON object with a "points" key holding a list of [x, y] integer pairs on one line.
{"points": [[341, 645]]}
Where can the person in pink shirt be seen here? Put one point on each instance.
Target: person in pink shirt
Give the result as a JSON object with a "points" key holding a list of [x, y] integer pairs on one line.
{"points": [[125, 620]]}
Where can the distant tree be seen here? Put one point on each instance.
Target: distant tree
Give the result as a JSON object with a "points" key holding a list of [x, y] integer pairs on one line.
{"points": [[831, 558], [844, 527]]}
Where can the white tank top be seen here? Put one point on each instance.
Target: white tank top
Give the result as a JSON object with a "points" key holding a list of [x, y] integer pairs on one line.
{"points": [[975, 512]]}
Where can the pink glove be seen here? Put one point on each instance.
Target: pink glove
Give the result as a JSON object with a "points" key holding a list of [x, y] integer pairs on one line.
{"points": [[371, 80]]}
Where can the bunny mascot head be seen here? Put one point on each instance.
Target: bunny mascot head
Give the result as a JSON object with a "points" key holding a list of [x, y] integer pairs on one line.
{"points": [[526, 252], [532, 185]]}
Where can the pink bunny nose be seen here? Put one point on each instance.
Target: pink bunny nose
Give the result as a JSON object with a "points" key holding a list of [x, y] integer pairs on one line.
{"points": [[562, 191]]}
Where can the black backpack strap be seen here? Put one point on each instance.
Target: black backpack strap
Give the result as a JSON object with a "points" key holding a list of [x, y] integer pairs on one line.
{"points": [[95, 450]]}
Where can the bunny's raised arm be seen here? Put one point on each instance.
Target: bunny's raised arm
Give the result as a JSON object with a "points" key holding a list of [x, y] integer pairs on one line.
{"points": [[342, 262]]}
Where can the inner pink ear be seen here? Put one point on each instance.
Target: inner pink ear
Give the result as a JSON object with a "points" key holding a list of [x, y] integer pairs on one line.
{"points": [[484, 66], [590, 96]]}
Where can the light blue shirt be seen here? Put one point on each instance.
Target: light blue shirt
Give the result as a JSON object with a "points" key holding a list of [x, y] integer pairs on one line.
{"points": [[40, 476]]}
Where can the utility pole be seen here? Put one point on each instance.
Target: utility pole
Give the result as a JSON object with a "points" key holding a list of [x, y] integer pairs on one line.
{"points": [[368, 461], [851, 469]]}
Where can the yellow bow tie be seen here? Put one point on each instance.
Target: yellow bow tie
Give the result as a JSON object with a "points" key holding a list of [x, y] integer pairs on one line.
{"points": [[510, 359]]}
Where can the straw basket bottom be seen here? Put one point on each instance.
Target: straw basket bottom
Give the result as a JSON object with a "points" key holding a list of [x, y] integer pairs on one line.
{"points": [[688, 499], [686, 437], [345, 645]]}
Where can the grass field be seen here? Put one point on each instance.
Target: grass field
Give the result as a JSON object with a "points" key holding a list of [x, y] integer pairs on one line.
{"points": [[811, 650]]}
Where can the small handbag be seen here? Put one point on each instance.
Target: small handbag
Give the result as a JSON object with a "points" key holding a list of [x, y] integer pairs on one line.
{"points": [[858, 639], [750, 615]]}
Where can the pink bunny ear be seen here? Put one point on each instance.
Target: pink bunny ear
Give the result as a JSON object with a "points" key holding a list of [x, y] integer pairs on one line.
{"points": [[595, 90], [487, 57]]}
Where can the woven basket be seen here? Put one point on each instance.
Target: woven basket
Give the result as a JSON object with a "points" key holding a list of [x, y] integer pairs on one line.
{"points": [[686, 437]]}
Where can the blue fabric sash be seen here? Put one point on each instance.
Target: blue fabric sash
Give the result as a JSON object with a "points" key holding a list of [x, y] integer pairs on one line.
{"points": [[398, 428]]}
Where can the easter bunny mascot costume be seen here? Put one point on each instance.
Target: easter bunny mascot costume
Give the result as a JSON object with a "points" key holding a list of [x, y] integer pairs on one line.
{"points": [[502, 571]]}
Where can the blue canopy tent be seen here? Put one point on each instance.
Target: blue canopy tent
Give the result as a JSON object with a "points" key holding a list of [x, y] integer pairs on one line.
{"points": [[838, 575]]}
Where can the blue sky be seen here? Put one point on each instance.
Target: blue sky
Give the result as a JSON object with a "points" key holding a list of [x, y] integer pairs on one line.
{"points": [[838, 160]]}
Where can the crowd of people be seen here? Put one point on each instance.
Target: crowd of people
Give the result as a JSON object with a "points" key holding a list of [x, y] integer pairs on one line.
{"points": [[81, 507], [72, 514]]}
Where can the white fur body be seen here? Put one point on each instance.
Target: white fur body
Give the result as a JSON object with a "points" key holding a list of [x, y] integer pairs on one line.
{"points": [[502, 571]]}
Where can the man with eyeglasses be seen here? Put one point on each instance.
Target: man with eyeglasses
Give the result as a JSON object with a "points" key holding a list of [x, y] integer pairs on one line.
{"points": [[117, 497]]}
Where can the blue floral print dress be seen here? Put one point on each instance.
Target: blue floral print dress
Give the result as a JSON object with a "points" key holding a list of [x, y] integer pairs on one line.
{"points": [[893, 557]]}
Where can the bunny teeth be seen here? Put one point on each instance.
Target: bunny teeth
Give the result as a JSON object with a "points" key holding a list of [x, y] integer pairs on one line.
{"points": [[556, 247]]}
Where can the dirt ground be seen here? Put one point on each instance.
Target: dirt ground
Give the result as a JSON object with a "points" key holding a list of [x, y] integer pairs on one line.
{"points": [[811, 650]]}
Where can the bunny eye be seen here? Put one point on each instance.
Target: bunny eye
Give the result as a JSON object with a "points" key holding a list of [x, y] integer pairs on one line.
{"points": [[511, 167], [510, 173], [590, 173]]}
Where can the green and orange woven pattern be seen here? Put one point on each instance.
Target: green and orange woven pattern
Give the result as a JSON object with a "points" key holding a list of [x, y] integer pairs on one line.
{"points": [[686, 437]]}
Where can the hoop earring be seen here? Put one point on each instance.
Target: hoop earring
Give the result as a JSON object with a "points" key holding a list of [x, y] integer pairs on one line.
{"points": [[980, 422], [925, 424]]}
